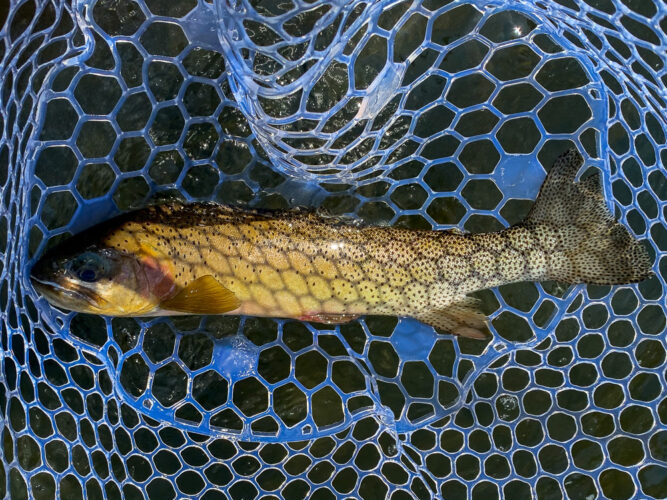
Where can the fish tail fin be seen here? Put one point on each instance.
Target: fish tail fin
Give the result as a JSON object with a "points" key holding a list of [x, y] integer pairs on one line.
{"points": [[591, 246]]}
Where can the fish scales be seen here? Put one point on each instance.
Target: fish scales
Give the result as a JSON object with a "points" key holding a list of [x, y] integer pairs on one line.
{"points": [[205, 258], [342, 267]]}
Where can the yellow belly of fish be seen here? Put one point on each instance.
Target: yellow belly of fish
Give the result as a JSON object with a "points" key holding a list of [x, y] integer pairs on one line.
{"points": [[264, 291], [277, 283], [278, 271]]}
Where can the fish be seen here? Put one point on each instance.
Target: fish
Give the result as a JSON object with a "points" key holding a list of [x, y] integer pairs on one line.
{"points": [[206, 258]]}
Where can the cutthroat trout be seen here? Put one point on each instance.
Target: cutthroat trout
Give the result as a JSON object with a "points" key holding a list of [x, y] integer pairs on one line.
{"points": [[204, 258]]}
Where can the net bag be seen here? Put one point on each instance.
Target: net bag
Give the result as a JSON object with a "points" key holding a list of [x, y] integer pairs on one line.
{"points": [[424, 114]]}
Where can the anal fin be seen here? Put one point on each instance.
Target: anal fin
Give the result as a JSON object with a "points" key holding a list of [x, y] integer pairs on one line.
{"points": [[204, 295], [460, 318]]}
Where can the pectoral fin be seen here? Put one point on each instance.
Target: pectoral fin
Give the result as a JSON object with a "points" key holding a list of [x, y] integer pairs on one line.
{"points": [[205, 295], [460, 318]]}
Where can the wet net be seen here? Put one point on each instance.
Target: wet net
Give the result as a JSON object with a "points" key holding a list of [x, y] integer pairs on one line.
{"points": [[423, 114]]}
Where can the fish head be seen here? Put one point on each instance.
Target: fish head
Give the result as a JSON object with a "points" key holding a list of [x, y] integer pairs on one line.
{"points": [[97, 280]]}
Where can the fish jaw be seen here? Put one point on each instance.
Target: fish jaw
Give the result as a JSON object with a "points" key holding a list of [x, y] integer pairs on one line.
{"points": [[72, 297]]}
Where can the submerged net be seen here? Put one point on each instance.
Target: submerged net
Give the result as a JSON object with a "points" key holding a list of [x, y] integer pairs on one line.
{"points": [[424, 114]]}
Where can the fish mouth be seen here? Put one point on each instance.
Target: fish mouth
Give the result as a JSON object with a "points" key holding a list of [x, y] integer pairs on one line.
{"points": [[69, 296]]}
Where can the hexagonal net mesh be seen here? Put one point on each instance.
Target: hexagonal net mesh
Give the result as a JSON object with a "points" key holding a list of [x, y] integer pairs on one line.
{"points": [[423, 114]]}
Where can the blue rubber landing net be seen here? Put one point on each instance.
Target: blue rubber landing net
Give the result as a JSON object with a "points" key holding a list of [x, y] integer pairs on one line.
{"points": [[423, 114]]}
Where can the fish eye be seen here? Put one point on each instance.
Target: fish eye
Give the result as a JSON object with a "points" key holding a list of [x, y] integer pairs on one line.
{"points": [[88, 275], [89, 267]]}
